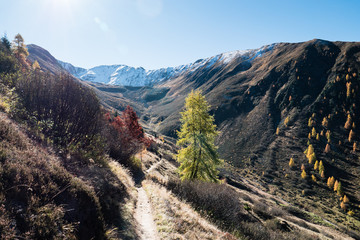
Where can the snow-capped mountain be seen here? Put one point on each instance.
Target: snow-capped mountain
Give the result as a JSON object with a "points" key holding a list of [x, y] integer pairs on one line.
{"points": [[131, 76]]}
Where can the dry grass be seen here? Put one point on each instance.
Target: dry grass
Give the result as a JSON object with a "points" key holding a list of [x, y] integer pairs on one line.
{"points": [[176, 220]]}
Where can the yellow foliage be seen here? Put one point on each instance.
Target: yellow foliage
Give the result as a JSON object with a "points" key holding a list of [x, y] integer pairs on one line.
{"points": [[322, 174], [348, 89], [303, 174], [325, 122], [312, 158], [343, 206], [277, 131], [336, 184], [345, 199], [327, 148], [351, 135], [316, 165], [313, 178], [348, 122], [351, 213], [286, 122], [309, 136], [328, 135], [313, 132], [354, 147], [310, 122], [291, 163], [302, 167], [330, 182]]}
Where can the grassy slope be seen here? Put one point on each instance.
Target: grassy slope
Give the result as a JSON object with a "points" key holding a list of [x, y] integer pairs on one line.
{"points": [[43, 197]]}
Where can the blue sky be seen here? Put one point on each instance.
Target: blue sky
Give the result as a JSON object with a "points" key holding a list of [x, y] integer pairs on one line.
{"points": [[161, 33]]}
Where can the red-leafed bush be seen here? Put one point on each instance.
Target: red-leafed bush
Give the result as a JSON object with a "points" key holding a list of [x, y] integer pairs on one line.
{"points": [[125, 136]]}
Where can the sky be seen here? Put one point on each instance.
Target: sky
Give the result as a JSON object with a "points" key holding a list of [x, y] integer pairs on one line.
{"points": [[163, 33]]}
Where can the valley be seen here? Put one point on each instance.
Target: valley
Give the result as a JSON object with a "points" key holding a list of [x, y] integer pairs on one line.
{"points": [[287, 116]]}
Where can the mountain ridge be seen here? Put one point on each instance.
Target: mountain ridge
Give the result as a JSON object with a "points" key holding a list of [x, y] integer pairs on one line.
{"points": [[120, 74]]}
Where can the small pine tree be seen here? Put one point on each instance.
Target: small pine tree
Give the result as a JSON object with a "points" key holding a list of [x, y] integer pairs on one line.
{"points": [[322, 174], [277, 131], [336, 184], [328, 135], [347, 77], [303, 174], [309, 150], [312, 158], [343, 206], [309, 136], [354, 147], [313, 177], [286, 122], [348, 89], [339, 189], [316, 165], [345, 199], [331, 182], [327, 148], [310, 122], [317, 137], [351, 135], [291, 163], [302, 167], [36, 65], [322, 133], [313, 132], [324, 122], [348, 122], [353, 125]]}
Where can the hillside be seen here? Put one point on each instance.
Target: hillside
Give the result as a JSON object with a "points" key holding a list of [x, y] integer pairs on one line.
{"points": [[265, 106], [251, 99]]}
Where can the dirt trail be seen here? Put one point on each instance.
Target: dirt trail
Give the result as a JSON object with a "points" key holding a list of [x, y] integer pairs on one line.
{"points": [[144, 217]]}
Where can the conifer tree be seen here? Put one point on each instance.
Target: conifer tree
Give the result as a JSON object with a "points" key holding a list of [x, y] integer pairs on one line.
{"points": [[5, 42], [331, 182], [312, 158], [351, 135], [327, 148], [277, 131], [286, 122], [291, 163], [345, 199], [354, 147], [316, 165], [336, 184], [310, 122], [328, 135], [19, 46], [339, 189], [302, 167], [303, 174], [322, 174], [317, 137], [313, 177], [313, 132], [343, 206], [348, 122], [198, 158], [36, 65], [325, 122]]}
